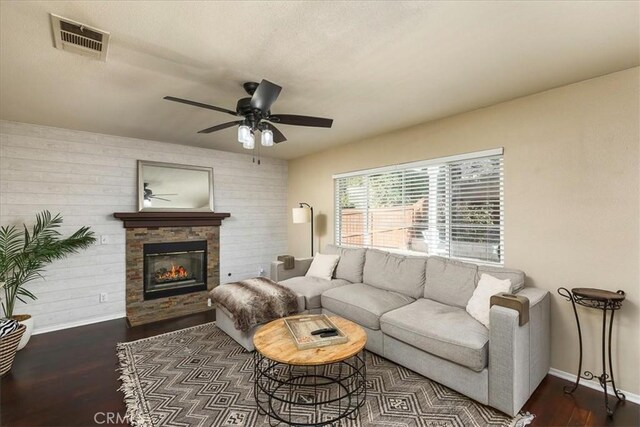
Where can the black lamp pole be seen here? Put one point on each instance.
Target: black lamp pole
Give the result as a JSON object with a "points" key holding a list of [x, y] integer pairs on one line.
{"points": [[311, 209]]}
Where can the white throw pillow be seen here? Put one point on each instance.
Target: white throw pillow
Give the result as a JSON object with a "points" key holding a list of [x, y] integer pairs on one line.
{"points": [[478, 305], [323, 266]]}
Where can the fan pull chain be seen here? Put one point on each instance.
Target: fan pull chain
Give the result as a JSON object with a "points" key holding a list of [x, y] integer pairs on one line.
{"points": [[256, 148]]}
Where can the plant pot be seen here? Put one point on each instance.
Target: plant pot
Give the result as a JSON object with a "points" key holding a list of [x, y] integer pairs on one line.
{"points": [[8, 349], [26, 320]]}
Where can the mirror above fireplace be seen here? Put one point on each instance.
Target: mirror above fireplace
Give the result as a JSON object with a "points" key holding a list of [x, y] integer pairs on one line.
{"points": [[172, 187]]}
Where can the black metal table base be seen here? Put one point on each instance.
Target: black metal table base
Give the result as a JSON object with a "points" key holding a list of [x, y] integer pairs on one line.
{"points": [[604, 378], [320, 395]]}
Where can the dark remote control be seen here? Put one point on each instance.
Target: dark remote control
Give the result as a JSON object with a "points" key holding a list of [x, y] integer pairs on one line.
{"points": [[329, 334], [323, 331]]}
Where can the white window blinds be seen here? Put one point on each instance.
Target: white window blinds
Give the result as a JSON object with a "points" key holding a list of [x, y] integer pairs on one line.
{"points": [[451, 207]]}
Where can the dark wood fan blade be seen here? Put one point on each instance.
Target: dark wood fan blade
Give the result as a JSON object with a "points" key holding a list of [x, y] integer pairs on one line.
{"points": [[278, 137], [292, 119], [265, 95], [220, 127], [200, 104]]}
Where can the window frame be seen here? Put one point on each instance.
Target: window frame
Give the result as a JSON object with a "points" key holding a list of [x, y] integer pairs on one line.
{"points": [[446, 162]]}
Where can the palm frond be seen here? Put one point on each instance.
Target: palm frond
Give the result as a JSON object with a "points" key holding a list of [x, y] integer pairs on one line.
{"points": [[44, 229], [26, 293], [10, 239], [10, 244], [25, 253], [58, 249]]}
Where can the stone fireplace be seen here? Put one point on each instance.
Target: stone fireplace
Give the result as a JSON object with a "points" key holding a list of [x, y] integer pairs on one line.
{"points": [[172, 261]]}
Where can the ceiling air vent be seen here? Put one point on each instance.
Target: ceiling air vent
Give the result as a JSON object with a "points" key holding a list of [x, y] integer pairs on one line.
{"points": [[79, 38]]}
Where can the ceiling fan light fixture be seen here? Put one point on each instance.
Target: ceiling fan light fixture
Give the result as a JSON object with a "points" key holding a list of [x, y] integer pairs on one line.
{"points": [[254, 114], [267, 138], [250, 142], [245, 135]]}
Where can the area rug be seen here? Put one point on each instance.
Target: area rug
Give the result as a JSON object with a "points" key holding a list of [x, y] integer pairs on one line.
{"points": [[200, 377]]}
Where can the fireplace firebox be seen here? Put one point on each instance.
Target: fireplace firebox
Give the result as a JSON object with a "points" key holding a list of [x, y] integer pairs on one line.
{"points": [[174, 268]]}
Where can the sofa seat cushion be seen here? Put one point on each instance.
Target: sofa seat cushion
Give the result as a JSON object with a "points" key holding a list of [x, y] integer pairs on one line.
{"points": [[362, 303], [310, 288], [442, 330]]}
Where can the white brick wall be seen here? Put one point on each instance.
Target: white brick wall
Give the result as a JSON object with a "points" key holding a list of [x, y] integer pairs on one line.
{"points": [[87, 177]]}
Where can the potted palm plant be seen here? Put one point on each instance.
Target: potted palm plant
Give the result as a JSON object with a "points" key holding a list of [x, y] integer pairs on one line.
{"points": [[24, 255]]}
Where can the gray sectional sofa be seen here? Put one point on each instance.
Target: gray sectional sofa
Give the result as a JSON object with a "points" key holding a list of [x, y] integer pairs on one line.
{"points": [[413, 310]]}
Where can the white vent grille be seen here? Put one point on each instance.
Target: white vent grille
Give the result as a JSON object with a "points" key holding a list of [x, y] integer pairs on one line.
{"points": [[72, 38], [79, 38]]}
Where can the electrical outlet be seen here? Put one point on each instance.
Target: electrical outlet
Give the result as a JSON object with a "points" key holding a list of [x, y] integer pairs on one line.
{"points": [[209, 302], [104, 240], [104, 297], [261, 272]]}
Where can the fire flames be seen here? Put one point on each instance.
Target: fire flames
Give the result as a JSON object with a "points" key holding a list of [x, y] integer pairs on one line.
{"points": [[175, 273]]}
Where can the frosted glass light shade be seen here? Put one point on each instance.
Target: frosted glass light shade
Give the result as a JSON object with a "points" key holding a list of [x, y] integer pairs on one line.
{"points": [[267, 138], [250, 143], [301, 215], [147, 203], [244, 134]]}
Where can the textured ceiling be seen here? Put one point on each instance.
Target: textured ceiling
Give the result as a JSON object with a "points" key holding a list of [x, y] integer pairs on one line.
{"points": [[371, 66]]}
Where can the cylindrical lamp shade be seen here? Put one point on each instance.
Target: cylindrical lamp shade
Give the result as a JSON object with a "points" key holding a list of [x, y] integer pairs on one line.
{"points": [[267, 138], [244, 134], [249, 144], [301, 215]]}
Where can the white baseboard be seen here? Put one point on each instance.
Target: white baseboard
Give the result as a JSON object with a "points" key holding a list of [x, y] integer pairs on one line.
{"points": [[61, 326], [631, 397]]}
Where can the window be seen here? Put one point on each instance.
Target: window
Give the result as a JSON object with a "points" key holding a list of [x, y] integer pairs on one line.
{"points": [[451, 207]]}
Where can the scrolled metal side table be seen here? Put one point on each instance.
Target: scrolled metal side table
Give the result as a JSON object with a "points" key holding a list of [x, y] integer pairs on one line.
{"points": [[605, 301]]}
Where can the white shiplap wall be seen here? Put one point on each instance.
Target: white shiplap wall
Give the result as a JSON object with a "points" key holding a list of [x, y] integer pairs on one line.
{"points": [[87, 177]]}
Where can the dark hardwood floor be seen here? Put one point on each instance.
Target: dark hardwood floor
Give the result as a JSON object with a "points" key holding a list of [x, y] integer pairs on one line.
{"points": [[65, 378]]}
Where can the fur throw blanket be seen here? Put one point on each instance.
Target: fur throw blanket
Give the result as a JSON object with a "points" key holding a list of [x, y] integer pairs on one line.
{"points": [[254, 301]]}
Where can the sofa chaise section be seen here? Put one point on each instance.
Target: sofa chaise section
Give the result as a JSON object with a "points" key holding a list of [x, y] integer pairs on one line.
{"points": [[311, 289], [225, 321]]}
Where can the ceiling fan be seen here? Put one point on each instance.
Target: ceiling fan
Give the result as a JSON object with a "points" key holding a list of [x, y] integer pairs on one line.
{"points": [[255, 112], [148, 194]]}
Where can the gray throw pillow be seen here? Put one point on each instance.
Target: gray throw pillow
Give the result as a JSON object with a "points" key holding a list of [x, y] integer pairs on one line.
{"points": [[351, 262]]}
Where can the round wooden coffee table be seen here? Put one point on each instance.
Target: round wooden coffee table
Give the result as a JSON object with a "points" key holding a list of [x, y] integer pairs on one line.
{"points": [[313, 387]]}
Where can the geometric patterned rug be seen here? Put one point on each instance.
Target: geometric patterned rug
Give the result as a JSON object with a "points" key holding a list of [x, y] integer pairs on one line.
{"points": [[200, 377]]}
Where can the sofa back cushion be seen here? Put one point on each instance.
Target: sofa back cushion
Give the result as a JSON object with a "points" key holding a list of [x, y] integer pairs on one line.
{"points": [[393, 272], [450, 282], [351, 262], [516, 276]]}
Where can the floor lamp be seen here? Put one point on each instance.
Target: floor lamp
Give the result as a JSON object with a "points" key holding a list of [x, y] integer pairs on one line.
{"points": [[304, 215]]}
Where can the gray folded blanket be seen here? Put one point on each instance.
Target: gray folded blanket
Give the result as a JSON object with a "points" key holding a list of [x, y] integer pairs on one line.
{"points": [[254, 301]]}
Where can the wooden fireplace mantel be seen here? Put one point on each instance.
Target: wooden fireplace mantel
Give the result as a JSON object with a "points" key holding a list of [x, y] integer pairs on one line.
{"points": [[170, 219]]}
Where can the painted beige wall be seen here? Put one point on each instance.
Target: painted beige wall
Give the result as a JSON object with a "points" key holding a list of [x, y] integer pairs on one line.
{"points": [[571, 197]]}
